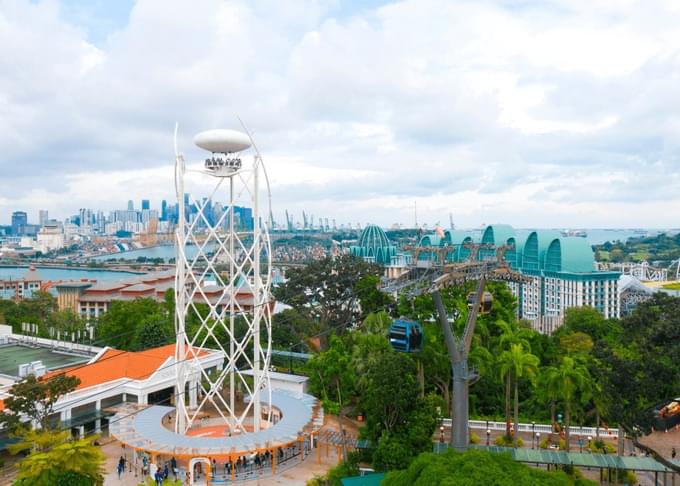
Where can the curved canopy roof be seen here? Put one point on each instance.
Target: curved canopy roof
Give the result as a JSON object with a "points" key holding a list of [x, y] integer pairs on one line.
{"points": [[535, 247], [533, 251], [570, 254], [144, 430]]}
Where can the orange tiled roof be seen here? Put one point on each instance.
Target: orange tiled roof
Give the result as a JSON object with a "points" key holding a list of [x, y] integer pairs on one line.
{"points": [[114, 364]]}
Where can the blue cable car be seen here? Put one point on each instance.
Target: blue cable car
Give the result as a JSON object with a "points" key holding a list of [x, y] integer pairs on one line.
{"points": [[406, 336]]}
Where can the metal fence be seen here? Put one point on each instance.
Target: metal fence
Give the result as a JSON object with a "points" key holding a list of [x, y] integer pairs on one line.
{"points": [[542, 428]]}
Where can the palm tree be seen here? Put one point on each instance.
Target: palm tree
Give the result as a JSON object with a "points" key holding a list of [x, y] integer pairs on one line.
{"points": [[570, 380], [514, 364], [513, 333]]}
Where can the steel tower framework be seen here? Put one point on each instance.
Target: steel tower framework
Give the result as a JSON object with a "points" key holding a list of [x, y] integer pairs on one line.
{"points": [[215, 301]]}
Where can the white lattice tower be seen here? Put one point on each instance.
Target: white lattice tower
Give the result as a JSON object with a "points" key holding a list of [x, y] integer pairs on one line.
{"points": [[228, 311]]}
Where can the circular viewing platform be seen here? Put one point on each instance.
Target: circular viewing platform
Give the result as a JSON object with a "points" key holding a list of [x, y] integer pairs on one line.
{"points": [[301, 417]]}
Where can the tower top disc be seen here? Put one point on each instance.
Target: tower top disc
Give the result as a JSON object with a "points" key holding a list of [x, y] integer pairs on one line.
{"points": [[222, 141]]}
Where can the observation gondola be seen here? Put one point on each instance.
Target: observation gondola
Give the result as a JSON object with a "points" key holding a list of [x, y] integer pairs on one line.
{"points": [[484, 304], [406, 336]]}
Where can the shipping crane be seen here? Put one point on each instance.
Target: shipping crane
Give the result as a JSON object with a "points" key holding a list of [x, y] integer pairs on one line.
{"points": [[435, 271], [289, 222]]}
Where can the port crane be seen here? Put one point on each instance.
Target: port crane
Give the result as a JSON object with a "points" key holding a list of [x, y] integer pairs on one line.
{"points": [[429, 275]]}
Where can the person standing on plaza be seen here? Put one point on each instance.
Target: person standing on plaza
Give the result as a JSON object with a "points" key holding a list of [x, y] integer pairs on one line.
{"points": [[121, 466]]}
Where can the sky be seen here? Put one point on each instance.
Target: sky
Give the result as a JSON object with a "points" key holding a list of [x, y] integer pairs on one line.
{"points": [[558, 113]]}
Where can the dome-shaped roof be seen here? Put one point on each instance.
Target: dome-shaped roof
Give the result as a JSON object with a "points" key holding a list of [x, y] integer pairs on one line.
{"points": [[374, 237], [373, 244]]}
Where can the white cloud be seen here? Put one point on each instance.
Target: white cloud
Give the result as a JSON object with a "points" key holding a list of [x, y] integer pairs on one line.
{"points": [[540, 114]]}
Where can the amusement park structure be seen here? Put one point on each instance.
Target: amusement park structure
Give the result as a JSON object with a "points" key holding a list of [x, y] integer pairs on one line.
{"points": [[484, 263], [243, 251], [645, 271], [231, 409]]}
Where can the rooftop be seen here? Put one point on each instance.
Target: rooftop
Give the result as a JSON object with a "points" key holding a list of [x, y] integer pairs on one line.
{"points": [[13, 355], [113, 364]]}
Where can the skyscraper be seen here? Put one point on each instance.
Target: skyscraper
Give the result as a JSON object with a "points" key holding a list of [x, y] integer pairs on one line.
{"points": [[164, 210], [145, 204], [85, 217], [42, 217], [131, 205], [19, 222]]}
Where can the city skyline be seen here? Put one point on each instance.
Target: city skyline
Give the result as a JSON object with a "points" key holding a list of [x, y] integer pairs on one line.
{"points": [[539, 114]]}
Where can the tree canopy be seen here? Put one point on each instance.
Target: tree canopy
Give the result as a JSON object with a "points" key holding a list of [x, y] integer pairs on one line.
{"points": [[34, 398], [473, 468]]}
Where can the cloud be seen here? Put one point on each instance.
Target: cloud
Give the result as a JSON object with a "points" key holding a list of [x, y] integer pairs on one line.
{"points": [[535, 113]]}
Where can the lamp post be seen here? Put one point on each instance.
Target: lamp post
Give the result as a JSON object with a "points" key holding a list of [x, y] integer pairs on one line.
{"points": [[590, 438], [580, 443], [290, 358], [488, 433], [441, 434], [538, 440], [533, 430]]}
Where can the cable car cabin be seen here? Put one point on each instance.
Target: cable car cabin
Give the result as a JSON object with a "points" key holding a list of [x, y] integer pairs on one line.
{"points": [[406, 336], [484, 305]]}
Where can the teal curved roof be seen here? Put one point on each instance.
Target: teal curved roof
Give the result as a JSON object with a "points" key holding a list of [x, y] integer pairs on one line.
{"points": [[531, 251], [536, 245], [498, 234], [570, 254], [431, 240], [458, 237], [373, 243]]}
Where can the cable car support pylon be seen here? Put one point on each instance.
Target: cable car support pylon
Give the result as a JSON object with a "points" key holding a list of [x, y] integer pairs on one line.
{"points": [[440, 272]]}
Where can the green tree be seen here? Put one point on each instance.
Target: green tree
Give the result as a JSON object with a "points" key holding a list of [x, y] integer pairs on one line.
{"points": [[33, 399], [292, 328], [326, 291], [377, 323], [638, 366], [576, 343], [473, 468], [515, 364], [152, 332], [512, 333], [331, 375], [372, 299], [572, 381], [52, 454], [119, 326], [391, 395]]}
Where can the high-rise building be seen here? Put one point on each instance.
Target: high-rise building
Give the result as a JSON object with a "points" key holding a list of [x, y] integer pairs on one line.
{"points": [[42, 217], [145, 204], [164, 210], [19, 222], [86, 217], [131, 205], [125, 216], [243, 218]]}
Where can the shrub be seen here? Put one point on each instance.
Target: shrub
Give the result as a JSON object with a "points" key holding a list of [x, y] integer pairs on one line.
{"points": [[505, 441], [330, 407], [474, 438]]}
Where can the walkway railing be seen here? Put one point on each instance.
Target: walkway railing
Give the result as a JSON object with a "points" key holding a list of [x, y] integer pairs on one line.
{"points": [[542, 428]]}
